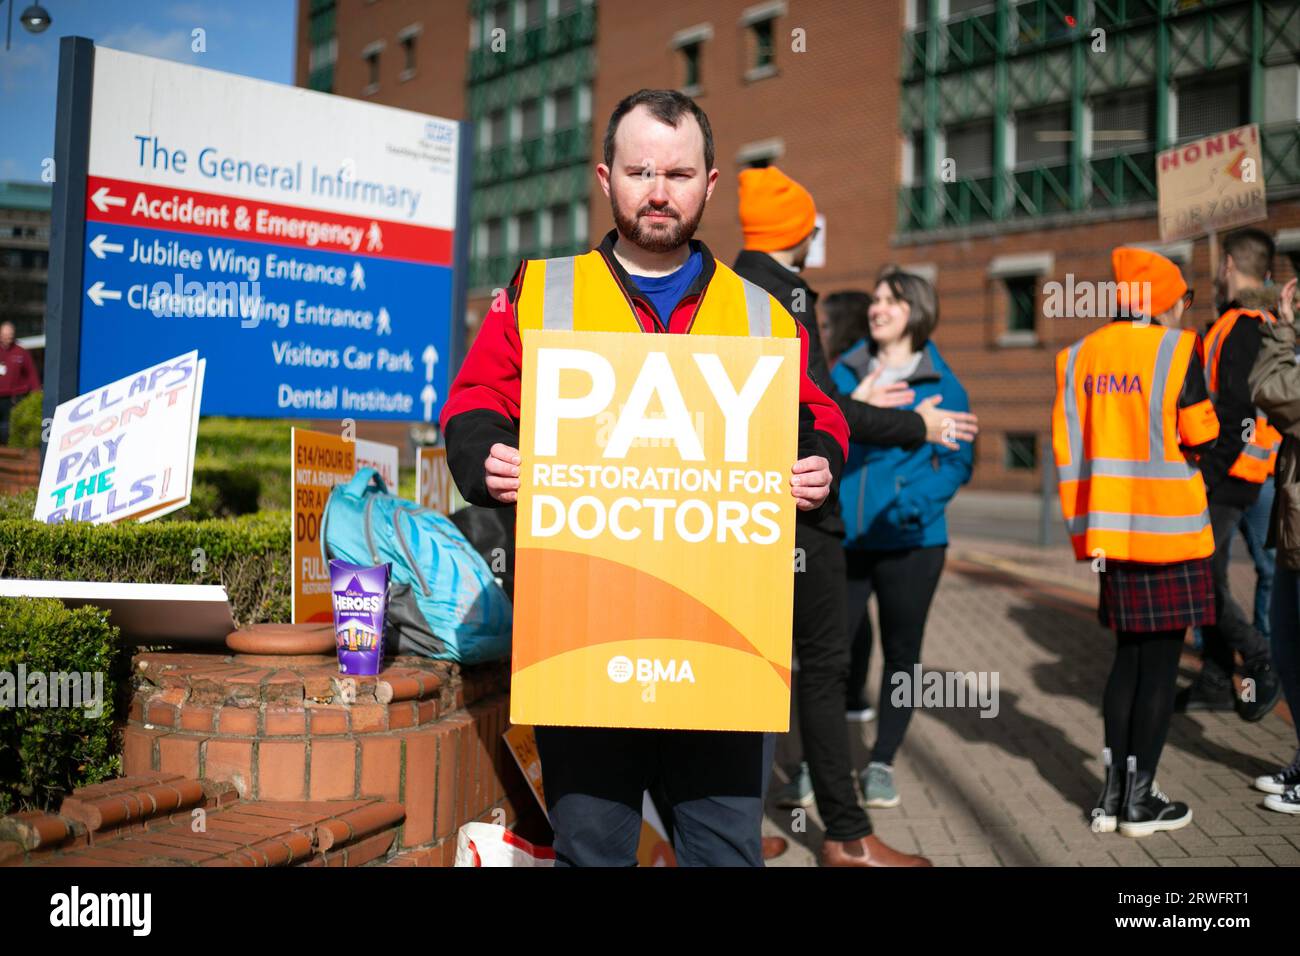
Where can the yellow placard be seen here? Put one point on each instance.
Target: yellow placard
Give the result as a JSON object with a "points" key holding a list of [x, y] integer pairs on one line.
{"points": [[654, 583], [320, 461]]}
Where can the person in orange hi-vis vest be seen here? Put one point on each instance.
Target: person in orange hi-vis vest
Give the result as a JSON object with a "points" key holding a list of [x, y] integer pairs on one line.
{"points": [[1235, 471], [1131, 414]]}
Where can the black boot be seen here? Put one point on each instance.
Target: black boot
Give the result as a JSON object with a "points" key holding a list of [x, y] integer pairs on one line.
{"points": [[1105, 815], [1146, 809], [1261, 694], [1205, 694]]}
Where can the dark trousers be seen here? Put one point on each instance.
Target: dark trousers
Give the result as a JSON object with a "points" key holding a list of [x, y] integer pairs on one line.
{"points": [[821, 645], [1139, 700], [904, 583], [595, 780], [6, 406], [1285, 636], [1233, 632]]}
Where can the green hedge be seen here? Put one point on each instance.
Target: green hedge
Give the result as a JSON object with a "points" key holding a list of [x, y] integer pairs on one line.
{"points": [[46, 751], [248, 554], [25, 422]]}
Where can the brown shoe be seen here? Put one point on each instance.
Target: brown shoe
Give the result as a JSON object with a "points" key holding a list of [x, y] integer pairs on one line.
{"points": [[774, 847], [868, 851]]}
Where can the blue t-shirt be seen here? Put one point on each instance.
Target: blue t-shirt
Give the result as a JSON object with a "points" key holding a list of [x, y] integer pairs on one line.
{"points": [[664, 292]]}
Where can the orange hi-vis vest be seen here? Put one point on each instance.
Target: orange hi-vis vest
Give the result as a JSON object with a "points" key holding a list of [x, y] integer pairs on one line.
{"points": [[1127, 490], [1258, 459], [581, 293]]}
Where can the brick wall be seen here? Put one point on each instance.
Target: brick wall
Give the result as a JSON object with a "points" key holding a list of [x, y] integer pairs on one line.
{"points": [[424, 735]]}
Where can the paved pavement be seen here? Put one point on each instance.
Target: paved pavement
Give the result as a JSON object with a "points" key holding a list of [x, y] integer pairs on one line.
{"points": [[1015, 789]]}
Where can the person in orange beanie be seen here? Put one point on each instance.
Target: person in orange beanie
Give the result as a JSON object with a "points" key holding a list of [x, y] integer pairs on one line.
{"points": [[779, 221], [1131, 415]]}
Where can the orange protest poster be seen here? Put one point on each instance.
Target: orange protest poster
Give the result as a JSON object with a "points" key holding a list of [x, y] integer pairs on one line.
{"points": [[320, 461], [654, 581], [434, 488]]}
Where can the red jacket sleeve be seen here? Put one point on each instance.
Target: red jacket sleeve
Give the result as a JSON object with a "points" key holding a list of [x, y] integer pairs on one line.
{"points": [[829, 427]]}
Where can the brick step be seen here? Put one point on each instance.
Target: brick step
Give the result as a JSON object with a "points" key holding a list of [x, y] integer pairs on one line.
{"points": [[225, 831]]}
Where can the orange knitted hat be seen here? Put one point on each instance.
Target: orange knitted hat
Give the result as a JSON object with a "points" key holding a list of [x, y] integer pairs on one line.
{"points": [[775, 211], [1155, 276]]}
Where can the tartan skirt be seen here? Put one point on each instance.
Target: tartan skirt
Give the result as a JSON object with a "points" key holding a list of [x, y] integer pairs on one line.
{"points": [[1156, 597]]}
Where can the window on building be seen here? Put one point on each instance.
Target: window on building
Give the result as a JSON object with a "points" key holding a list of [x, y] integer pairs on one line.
{"points": [[1282, 93], [916, 157], [566, 110], [1211, 105], [1123, 122], [408, 53], [1022, 301], [534, 13], [1043, 137], [561, 226], [970, 147], [690, 65], [372, 69], [496, 237], [532, 120], [528, 233], [1021, 451], [500, 17], [764, 51], [499, 127]]}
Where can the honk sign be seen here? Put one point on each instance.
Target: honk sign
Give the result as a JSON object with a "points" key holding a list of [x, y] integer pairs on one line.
{"points": [[654, 580]]}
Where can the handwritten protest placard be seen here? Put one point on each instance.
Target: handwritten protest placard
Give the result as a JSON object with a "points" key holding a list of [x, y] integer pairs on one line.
{"points": [[124, 450]]}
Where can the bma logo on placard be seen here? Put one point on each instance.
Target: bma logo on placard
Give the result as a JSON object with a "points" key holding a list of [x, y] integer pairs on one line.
{"points": [[647, 670]]}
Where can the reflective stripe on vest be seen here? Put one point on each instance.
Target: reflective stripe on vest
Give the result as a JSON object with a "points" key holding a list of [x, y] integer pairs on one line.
{"points": [[558, 300], [1259, 455], [557, 295], [1155, 465]]}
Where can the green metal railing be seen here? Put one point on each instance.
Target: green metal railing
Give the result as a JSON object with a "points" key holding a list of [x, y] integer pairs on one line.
{"points": [[552, 38], [1122, 179], [971, 40], [1280, 151], [967, 201], [514, 160], [973, 67], [1040, 191]]}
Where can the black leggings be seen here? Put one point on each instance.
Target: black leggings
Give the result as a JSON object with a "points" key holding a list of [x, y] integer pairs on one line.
{"points": [[1139, 701], [904, 583]]}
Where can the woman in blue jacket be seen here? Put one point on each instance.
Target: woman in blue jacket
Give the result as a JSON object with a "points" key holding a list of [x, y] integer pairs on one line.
{"points": [[893, 502]]}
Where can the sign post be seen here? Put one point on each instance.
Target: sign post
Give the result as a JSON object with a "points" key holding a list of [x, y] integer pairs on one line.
{"points": [[311, 247]]}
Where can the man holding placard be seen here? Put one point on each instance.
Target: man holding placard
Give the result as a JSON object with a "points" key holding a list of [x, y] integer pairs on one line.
{"points": [[647, 276]]}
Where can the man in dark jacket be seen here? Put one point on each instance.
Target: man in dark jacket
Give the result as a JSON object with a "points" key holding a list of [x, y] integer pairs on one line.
{"points": [[777, 216], [1231, 350]]}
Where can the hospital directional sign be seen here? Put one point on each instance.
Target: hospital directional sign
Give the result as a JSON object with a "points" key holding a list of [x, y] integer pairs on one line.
{"points": [[310, 247]]}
